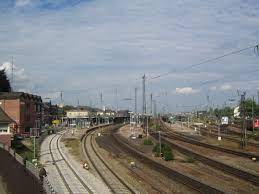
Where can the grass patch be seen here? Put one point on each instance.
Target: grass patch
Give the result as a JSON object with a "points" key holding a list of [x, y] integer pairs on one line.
{"points": [[190, 159], [24, 148], [148, 142], [73, 146]]}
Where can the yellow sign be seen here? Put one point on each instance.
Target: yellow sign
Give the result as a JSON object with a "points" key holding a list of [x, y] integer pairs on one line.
{"points": [[57, 122]]}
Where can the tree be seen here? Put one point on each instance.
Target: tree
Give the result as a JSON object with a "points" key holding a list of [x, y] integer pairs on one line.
{"points": [[5, 85], [249, 104], [226, 111]]}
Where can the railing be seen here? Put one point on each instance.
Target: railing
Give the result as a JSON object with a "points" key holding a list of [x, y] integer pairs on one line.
{"points": [[30, 167]]}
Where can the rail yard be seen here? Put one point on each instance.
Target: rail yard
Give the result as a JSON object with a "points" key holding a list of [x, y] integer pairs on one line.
{"points": [[119, 163]]}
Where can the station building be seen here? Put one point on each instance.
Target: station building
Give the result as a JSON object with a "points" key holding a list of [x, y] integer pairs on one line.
{"points": [[77, 117]]}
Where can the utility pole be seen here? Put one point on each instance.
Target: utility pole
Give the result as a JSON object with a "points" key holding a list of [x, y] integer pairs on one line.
{"points": [[159, 144], [62, 107], [101, 100], [136, 90], [258, 97], [219, 136], [151, 103], [253, 114], [34, 146], [219, 120], [144, 93], [77, 119], [208, 107], [12, 73], [116, 99], [136, 108], [242, 105], [147, 128]]}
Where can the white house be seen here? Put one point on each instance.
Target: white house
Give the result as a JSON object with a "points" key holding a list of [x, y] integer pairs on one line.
{"points": [[5, 131]]}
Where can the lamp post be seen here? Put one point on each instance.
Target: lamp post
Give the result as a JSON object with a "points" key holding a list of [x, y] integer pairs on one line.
{"points": [[160, 149]]}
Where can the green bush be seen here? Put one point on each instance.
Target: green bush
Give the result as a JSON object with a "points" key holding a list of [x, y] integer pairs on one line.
{"points": [[168, 155], [166, 151], [148, 142], [156, 150]]}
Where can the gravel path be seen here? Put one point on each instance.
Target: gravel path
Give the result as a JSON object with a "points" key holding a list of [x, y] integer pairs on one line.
{"points": [[95, 185]]}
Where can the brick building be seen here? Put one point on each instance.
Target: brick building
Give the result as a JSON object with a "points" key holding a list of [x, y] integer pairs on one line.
{"points": [[5, 128], [25, 109]]}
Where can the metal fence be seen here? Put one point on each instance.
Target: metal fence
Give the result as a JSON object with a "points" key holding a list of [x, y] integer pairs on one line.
{"points": [[30, 167]]}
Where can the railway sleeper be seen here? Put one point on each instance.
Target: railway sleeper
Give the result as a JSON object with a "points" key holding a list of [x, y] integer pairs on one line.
{"points": [[170, 173], [254, 179]]}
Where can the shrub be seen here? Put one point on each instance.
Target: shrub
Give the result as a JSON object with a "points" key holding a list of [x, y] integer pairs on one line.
{"points": [[165, 150], [156, 150], [168, 155], [148, 142]]}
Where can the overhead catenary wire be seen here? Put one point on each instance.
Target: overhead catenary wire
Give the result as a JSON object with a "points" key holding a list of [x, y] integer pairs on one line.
{"points": [[225, 78], [255, 47]]}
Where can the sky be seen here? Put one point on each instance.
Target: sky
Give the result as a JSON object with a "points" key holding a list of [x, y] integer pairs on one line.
{"points": [[88, 47]]}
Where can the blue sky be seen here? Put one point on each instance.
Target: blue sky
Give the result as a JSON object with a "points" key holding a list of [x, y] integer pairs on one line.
{"points": [[91, 46]]}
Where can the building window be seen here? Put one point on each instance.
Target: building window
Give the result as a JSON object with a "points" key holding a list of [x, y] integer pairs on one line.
{"points": [[3, 128]]}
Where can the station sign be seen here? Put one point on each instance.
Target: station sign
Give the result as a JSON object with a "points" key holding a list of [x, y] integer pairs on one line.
{"points": [[224, 120]]}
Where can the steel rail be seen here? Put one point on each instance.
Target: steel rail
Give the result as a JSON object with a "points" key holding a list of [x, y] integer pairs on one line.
{"points": [[105, 164]]}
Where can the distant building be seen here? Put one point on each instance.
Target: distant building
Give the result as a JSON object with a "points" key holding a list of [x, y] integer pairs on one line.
{"points": [[77, 117], [109, 113], [5, 128], [122, 113], [51, 112], [77, 114], [23, 108], [99, 113]]}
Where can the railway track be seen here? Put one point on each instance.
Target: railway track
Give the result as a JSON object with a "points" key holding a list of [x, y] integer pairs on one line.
{"points": [[110, 178], [182, 137], [169, 172], [117, 150], [71, 180], [252, 178], [227, 137]]}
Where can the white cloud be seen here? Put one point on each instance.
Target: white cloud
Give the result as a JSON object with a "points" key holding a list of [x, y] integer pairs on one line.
{"points": [[226, 87], [21, 3], [186, 90], [140, 36], [20, 78]]}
